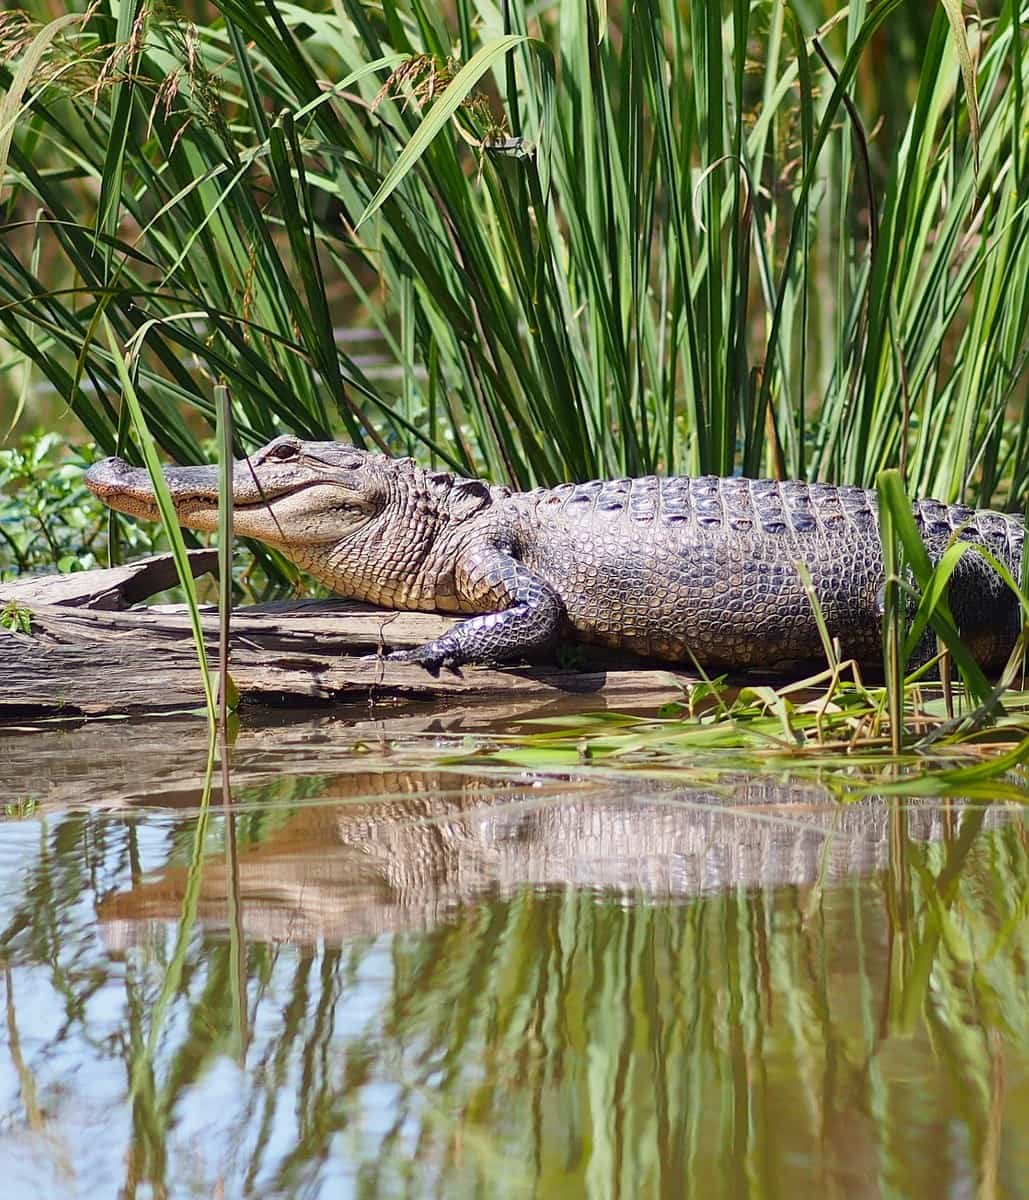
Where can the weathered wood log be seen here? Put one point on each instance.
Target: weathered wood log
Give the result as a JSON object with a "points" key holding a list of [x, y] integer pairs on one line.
{"points": [[104, 677], [330, 627], [92, 661], [106, 588]]}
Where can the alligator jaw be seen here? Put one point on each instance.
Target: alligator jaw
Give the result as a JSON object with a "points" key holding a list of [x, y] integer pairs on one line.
{"points": [[194, 491], [274, 501]]}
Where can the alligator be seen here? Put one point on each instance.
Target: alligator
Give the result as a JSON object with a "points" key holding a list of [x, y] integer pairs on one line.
{"points": [[699, 570]]}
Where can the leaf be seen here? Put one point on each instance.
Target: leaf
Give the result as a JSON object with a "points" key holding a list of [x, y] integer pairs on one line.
{"points": [[231, 698], [169, 518], [894, 501], [11, 106], [957, 23], [448, 103]]}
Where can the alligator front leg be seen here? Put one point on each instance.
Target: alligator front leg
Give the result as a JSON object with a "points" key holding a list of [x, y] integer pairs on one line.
{"points": [[528, 617]]}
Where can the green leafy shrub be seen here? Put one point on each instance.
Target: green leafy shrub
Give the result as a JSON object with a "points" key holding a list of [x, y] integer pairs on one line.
{"points": [[49, 520]]}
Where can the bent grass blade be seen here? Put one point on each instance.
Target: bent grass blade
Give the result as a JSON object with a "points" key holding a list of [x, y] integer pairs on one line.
{"points": [[168, 517], [442, 110]]}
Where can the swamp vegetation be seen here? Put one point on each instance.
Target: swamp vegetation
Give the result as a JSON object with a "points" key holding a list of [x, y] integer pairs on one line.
{"points": [[757, 943], [777, 237]]}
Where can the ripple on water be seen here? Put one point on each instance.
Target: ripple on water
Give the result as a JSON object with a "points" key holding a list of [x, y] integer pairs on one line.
{"points": [[366, 975]]}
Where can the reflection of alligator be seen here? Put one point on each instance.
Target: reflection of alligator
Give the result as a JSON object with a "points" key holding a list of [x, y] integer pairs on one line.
{"points": [[366, 867], [671, 568]]}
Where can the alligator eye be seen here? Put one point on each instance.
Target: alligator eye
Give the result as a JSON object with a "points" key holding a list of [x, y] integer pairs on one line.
{"points": [[283, 450]]}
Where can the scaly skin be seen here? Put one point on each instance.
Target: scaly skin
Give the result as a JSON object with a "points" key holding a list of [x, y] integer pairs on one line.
{"points": [[676, 568]]}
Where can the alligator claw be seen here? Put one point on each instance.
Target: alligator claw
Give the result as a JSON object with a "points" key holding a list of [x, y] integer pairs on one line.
{"points": [[425, 656], [430, 663]]}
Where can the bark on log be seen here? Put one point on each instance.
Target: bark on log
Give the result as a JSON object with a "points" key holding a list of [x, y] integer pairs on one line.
{"points": [[110, 588], [94, 661]]}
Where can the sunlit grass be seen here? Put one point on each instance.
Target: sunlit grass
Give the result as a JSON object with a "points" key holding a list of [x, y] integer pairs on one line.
{"points": [[594, 241], [841, 734]]}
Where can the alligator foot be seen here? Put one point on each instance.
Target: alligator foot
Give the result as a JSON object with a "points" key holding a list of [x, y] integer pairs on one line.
{"points": [[432, 657], [431, 664]]}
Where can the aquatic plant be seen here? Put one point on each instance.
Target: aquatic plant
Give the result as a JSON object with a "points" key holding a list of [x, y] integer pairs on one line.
{"points": [[763, 236]]}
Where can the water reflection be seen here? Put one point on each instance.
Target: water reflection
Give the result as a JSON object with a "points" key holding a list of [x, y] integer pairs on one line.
{"points": [[335, 871], [361, 980]]}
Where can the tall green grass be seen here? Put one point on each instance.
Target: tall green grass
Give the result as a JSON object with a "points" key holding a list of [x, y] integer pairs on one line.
{"points": [[593, 239]]}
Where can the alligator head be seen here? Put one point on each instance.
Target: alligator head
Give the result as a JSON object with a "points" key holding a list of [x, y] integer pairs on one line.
{"points": [[364, 524], [290, 493]]}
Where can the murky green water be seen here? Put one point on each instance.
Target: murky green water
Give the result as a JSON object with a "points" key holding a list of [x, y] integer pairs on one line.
{"points": [[361, 975]]}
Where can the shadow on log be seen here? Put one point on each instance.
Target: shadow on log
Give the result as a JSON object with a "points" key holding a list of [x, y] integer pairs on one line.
{"points": [[87, 653]]}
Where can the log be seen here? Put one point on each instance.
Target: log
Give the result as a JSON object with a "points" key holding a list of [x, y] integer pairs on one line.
{"points": [[106, 588], [96, 660]]}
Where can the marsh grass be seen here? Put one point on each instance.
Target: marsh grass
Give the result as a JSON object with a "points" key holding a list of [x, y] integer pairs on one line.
{"points": [[594, 241], [837, 733]]}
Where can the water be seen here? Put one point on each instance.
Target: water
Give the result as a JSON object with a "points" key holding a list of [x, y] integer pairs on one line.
{"points": [[366, 974]]}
